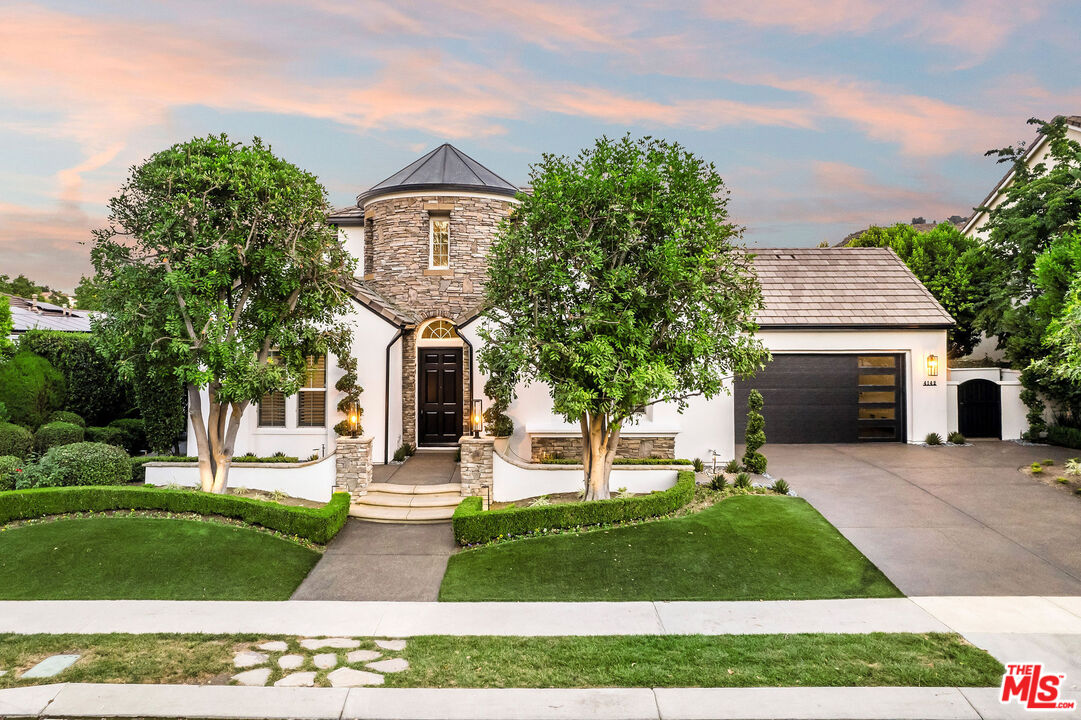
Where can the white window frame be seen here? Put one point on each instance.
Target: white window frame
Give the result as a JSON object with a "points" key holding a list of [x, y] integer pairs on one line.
{"points": [[431, 242], [322, 389]]}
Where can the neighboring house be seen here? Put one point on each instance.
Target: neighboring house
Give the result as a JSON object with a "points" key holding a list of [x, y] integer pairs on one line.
{"points": [[36, 315], [857, 340]]}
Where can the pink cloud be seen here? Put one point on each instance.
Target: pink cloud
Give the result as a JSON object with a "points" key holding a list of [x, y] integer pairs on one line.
{"points": [[47, 243]]}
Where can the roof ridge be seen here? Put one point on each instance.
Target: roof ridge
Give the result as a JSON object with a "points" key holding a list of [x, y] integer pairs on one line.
{"points": [[465, 161]]}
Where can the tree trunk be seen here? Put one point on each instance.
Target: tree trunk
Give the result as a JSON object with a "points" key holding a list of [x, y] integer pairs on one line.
{"points": [[224, 458], [599, 442], [202, 442], [215, 439]]}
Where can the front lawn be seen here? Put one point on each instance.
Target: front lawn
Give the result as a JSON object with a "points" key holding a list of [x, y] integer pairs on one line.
{"points": [[441, 661], [750, 547], [107, 558]]}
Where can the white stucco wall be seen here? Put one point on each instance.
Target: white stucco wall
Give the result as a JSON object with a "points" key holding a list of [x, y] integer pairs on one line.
{"points": [[926, 405], [512, 480], [311, 481], [352, 237], [1014, 422]]}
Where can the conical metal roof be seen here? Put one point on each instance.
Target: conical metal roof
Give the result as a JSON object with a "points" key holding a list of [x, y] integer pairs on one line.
{"points": [[445, 168]]}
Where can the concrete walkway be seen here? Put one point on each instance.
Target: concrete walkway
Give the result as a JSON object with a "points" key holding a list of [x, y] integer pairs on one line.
{"points": [[207, 701], [425, 467], [946, 520], [381, 561], [1056, 615]]}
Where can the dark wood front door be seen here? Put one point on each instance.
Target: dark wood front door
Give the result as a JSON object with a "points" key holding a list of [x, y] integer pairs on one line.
{"points": [[979, 409], [439, 397]]}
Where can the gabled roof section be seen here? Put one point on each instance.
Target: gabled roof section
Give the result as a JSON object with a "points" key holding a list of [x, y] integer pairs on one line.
{"points": [[445, 168], [351, 215], [842, 287], [375, 302]]}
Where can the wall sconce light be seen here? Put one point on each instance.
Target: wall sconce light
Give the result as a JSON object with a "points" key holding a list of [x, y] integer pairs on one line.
{"points": [[476, 418], [932, 365], [354, 420]]}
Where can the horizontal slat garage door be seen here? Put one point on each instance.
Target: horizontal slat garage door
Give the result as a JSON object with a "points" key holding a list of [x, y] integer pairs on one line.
{"points": [[827, 399]]}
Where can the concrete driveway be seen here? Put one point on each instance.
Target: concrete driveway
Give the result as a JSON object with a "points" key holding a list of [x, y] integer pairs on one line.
{"points": [[947, 520]]}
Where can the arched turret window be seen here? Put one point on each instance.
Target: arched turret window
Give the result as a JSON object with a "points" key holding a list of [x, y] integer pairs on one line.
{"points": [[438, 330]]}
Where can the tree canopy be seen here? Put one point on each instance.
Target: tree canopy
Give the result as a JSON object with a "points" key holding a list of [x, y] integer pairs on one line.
{"points": [[618, 282], [218, 267], [950, 265]]}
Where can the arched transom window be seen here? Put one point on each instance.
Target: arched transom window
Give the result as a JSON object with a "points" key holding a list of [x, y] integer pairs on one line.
{"points": [[438, 330]]}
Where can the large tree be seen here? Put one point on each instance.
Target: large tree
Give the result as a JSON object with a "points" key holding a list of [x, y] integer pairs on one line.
{"points": [[218, 263], [619, 283], [950, 265]]}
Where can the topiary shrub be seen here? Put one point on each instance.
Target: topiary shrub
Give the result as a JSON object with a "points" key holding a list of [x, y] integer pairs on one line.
{"points": [[66, 416], [755, 437], [80, 463], [31, 388], [108, 435], [15, 440], [10, 467], [57, 433], [134, 440]]}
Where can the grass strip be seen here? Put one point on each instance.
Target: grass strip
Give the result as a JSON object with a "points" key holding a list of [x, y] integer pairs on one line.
{"points": [[442, 661], [748, 547]]}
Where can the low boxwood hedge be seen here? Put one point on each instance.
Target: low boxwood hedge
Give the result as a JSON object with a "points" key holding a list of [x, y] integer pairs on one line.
{"points": [[474, 525], [1064, 436], [138, 464], [68, 417], [621, 461], [318, 525]]}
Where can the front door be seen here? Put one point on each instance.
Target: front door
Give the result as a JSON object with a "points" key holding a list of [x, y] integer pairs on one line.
{"points": [[439, 397], [979, 409]]}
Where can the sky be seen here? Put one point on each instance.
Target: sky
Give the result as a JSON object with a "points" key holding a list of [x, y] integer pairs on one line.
{"points": [[822, 117]]}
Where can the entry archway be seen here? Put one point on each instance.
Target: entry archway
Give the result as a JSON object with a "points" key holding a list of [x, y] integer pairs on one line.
{"points": [[979, 409]]}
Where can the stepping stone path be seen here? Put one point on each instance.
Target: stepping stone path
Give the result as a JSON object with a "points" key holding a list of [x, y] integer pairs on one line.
{"points": [[290, 662], [325, 661], [5, 672], [390, 666], [257, 677], [50, 666], [249, 659], [348, 677], [300, 679], [274, 646], [340, 677], [318, 644]]}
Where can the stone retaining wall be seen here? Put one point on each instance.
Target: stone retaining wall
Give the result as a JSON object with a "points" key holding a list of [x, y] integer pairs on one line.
{"points": [[353, 466], [477, 469], [635, 446]]}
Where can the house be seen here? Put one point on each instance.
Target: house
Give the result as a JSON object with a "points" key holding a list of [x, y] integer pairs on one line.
{"points": [[33, 314], [856, 339]]}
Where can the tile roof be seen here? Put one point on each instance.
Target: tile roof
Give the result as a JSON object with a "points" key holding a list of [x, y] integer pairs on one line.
{"points": [[842, 287], [37, 315], [365, 295], [445, 167], [345, 215]]}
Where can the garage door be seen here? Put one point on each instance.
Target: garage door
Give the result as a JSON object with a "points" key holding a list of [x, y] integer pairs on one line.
{"points": [[828, 399]]}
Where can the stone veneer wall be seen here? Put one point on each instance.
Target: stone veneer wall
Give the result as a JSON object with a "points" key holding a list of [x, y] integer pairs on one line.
{"points": [[477, 466], [566, 446], [353, 465]]}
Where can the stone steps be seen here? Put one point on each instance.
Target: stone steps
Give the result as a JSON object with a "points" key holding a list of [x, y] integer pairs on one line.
{"points": [[392, 503]]}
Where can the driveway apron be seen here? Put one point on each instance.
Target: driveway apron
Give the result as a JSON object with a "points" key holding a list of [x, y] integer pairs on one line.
{"points": [[945, 520]]}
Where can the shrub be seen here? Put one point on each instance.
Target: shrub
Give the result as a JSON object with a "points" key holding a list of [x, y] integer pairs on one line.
{"points": [[496, 421], [316, 524], [1048, 461], [1036, 468], [755, 437], [68, 417], [732, 466], [956, 438], [474, 525], [699, 466], [404, 450], [933, 439], [162, 399], [80, 463], [94, 389], [1073, 466], [719, 482], [1064, 436], [109, 435], [1062, 480], [10, 466], [57, 433], [5, 416], [134, 440], [780, 487], [138, 464], [742, 482], [31, 388], [15, 440]]}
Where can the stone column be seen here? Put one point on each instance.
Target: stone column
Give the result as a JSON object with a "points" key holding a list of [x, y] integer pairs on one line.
{"points": [[353, 465], [477, 466]]}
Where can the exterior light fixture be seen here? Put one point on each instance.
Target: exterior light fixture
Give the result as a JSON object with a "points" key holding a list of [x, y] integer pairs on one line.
{"points": [[354, 417], [932, 365], [476, 418]]}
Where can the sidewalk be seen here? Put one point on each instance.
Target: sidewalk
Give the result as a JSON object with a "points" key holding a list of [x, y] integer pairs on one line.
{"points": [[206, 701], [1035, 615]]}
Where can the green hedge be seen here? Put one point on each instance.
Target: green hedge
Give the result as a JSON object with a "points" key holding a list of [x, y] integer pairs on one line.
{"points": [[10, 466], [316, 524], [1064, 436], [68, 417], [138, 464], [56, 433], [474, 525], [621, 461], [83, 463], [15, 440]]}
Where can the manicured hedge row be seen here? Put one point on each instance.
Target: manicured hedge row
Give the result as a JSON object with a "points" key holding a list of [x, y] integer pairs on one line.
{"points": [[1064, 436], [474, 525], [621, 461], [138, 464], [316, 524]]}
